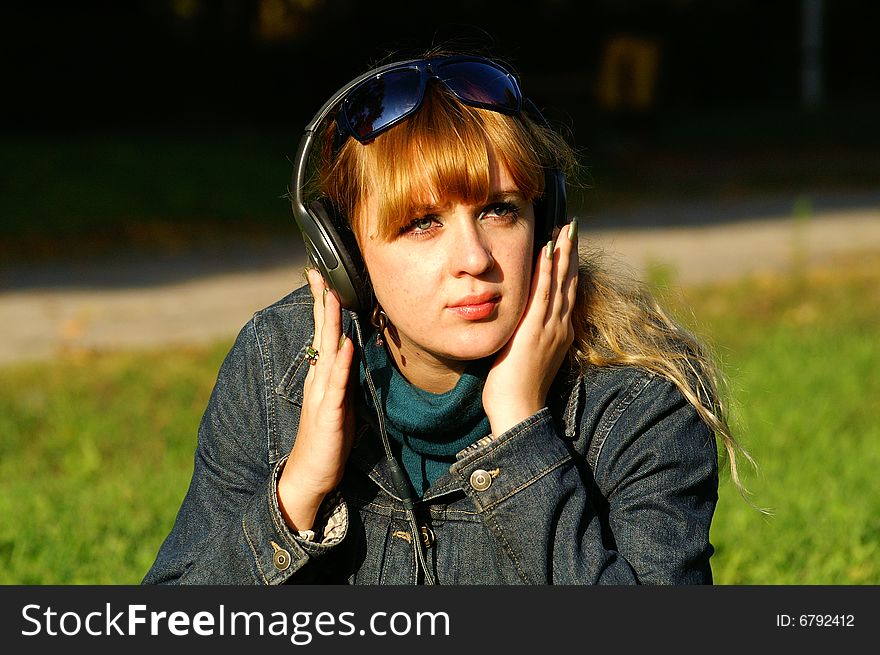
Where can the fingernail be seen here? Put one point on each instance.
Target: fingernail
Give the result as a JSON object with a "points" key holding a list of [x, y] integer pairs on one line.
{"points": [[548, 250], [341, 342], [324, 295], [573, 229]]}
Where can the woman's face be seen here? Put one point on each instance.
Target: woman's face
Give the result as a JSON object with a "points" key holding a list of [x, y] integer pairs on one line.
{"points": [[455, 282]]}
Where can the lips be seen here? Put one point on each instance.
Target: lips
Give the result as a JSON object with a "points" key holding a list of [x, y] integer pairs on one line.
{"points": [[475, 307]]}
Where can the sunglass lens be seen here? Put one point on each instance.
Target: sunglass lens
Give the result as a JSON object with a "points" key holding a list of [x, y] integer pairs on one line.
{"points": [[380, 102], [479, 83]]}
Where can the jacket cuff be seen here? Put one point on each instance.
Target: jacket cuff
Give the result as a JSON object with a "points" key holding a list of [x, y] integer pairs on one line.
{"points": [[278, 551], [500, 467]]}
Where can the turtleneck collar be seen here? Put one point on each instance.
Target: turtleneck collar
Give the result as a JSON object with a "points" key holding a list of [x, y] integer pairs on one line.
{"points": [[430, 428]]}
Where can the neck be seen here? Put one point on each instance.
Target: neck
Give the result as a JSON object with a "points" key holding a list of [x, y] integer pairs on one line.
{"points": [[426, 371]]}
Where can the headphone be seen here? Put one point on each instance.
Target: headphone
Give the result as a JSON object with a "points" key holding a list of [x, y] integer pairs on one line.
{"points": [[329, 240]]}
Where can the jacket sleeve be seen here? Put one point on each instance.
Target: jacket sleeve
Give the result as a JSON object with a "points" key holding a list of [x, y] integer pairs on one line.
{"points": [[229, 529], [641, 515]]}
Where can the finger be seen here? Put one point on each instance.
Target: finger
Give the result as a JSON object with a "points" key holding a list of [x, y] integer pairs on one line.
{"points": [[564, 267], [317, 286], [330, 333], [573, 269], [334, 407], [337, 383], [332, 328], [558, 273], [542, 280]]}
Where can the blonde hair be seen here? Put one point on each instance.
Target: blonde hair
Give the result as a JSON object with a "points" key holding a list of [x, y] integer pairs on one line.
{"points": [[617, 322]]}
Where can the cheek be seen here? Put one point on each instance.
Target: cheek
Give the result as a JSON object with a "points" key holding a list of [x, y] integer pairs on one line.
{"points": [[518, 270], [397, 281]]}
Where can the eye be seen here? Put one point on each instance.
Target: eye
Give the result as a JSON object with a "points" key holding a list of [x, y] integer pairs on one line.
{"points": [[502, 210], [423, 223], [421, 226]]}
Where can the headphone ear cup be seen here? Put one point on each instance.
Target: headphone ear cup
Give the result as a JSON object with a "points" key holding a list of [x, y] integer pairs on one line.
{"points": [[550, 210], [333, 249]]}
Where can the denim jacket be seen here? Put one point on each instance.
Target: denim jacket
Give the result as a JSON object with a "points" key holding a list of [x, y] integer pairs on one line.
{"points": [[615, 482]]}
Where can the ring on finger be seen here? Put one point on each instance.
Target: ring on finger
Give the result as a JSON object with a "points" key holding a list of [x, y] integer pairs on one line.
{"points": [[312, 355]]}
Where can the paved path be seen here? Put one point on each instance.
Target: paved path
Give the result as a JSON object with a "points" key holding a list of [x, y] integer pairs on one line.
{"points": [[131, 303]]}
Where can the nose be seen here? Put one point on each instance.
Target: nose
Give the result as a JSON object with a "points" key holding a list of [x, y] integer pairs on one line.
{"points": [[470, 250]]}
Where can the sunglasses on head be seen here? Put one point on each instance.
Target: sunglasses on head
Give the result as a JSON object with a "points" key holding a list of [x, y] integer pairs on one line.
{"points": [[380, 102]]}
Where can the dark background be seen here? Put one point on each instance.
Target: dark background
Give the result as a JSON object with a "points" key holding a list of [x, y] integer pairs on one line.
{"points": [[203, 102], [161, 62]]}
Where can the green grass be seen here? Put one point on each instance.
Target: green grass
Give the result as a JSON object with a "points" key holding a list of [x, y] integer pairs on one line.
{"points": [[96, 450], [802, 356], [95, 457]]}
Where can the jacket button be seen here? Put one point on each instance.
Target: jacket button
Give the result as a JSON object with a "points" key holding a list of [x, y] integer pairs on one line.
{"points": [[281, 558], [480, 480], [428, 536]]}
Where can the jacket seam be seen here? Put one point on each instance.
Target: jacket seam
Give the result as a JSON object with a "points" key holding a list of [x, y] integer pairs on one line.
{"points": [[292, 372], [506, 547], [451, 514], [266, 366], [383, 509], [250, 542], [532, 480], [437, 492], [610, 419]]}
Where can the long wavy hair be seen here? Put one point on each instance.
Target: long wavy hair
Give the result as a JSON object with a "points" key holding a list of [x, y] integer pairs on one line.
{"points": [[446, 146]]}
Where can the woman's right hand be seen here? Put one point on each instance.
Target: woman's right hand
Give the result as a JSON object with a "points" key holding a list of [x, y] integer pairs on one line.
{"points": [[326, 424]]}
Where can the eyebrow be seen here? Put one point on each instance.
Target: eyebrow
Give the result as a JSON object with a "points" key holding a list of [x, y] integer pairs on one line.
{"points": [[502, 195], [508, 195]]}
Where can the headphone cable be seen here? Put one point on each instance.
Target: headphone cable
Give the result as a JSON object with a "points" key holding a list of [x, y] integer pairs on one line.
{"points": [[401, 484]]}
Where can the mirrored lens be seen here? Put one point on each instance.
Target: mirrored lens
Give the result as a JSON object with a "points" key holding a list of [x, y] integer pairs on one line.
{"points": [[379, 102], [481, 84]]}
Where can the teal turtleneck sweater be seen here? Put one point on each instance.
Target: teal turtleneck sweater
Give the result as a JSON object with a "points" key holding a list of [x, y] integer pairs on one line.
{"points": [[429, 428]]}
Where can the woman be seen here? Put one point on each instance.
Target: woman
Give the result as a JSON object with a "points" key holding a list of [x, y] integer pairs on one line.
{"points": [[492, 413]]}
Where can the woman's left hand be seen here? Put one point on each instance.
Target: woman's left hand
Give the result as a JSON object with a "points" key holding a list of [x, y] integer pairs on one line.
{"points": [[520, 378]]}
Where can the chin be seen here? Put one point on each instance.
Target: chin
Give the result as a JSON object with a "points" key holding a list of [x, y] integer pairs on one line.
{"points": [[471, 347]]}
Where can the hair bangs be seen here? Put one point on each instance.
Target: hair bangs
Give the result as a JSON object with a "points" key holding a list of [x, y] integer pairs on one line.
{"points": [[447, 148]]}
